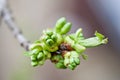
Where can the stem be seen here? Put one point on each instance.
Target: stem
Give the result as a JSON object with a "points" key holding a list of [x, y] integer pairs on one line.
{"points": [[9, 20]]}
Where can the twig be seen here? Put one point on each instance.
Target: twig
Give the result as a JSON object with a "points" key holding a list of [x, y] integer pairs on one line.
{"points": [[2, 5], [9, 20]]}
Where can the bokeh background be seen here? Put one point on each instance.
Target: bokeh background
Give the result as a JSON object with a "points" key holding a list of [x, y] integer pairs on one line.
{"points": [[32, 16]]}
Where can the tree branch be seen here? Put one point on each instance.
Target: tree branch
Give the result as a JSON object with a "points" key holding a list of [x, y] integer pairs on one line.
{"points": [[9, 20]]}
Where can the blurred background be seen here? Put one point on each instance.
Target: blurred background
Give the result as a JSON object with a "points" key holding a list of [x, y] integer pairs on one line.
{"points": [[32, 16]]}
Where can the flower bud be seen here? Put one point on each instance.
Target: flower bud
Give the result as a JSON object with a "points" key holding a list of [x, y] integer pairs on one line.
{"points": [[49, 48], [73, 64], [59, 39], [48, 32], [60, 65], [35, 63], [47, 54], [68, 40], [77, 61], [33, 57], [66, 62], [66, 28], [71, 67], [41, 62], [67, 54], [79, 34], [40, 56], [35, 51], [74, 54], [79, 48], [54, 37], [59, 24], [34, 46], [50, 42]]}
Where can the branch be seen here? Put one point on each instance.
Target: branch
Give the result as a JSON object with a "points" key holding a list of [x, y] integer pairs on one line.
{"points": [[9, 20], [2, 5]]}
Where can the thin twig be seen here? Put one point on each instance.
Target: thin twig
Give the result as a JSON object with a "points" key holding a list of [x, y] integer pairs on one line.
{"points": [[9, 20], [2, 5]]}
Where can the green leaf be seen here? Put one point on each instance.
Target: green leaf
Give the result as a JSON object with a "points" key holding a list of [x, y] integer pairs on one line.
{"points": [[27, 53], [92, 42], [37, 41], [99, 35]]}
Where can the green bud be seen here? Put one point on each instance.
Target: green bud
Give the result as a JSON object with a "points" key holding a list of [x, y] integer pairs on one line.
{"points": [[73, 64], [35, 51], [67, 55], [59, 24], [34, 46], [77, 61], [78, 32], [34, 63], [100, 36], [45, 47], [71, 67], [54, 37], [72, 36], [56, 58], [71, 60], [74, 54], [46, 38], [40, 56], [79, 48], [49, 48], [60, 65], [47, 54], [53, 49], [41, 62], [68, 40], [59, 39], [66, 28], [33, 57], [37, 41], [48, 32], [50, 42], [66, 62]]}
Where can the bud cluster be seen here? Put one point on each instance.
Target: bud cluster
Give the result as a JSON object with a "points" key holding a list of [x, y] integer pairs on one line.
{"points": [[64, 50]]}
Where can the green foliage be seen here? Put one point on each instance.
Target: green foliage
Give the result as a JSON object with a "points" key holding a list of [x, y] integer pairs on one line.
{"points": [[49, 46]]}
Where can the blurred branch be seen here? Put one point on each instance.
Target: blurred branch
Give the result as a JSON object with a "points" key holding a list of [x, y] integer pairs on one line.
{"points": [[9, 20], [2, 5]]}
